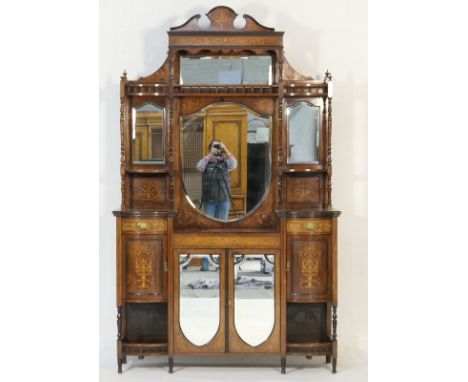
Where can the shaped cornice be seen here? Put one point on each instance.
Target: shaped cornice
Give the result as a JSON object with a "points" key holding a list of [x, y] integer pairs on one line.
{"points": [[221, 20]]}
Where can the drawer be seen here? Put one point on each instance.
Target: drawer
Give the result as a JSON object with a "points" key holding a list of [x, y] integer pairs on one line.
{"points": [[309, 226], [137, 225]]}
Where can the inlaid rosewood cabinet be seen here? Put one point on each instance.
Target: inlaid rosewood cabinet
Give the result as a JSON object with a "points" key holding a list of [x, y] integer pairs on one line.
{"points": [[263, 280]]}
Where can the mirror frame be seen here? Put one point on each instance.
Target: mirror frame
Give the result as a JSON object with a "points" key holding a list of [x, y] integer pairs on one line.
{"points": [[321, 164], [268, 180]]}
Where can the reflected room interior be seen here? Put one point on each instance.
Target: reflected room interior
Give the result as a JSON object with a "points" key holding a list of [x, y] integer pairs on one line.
{"points": [[247, 135], [254, 296], [148, 134]]}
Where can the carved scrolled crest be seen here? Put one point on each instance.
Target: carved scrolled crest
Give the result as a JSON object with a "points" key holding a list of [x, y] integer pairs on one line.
{"points": [[222, 19], [291, 74], [160, 75]]}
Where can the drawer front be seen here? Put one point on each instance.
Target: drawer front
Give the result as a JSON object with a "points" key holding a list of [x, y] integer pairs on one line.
{"points": [[309, 226], [144, 226]]}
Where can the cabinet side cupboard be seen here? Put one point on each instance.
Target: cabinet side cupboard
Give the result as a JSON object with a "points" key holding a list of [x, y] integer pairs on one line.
{"points": [[226, 234]]}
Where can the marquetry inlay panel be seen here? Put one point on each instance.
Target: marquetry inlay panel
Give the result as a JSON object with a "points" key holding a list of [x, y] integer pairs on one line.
{"points": [[309, 226], [309, 264], [303, 190], [225, 41], [148, 192], [226, 241], [144, 226], [144, 266]]}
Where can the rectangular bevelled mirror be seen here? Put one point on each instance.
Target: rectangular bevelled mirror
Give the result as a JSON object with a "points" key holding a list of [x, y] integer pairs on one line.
{"points": [[303, 120], [148, 134], [224, 70]]}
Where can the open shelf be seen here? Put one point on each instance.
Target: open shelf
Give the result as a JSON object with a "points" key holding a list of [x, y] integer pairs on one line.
{"points": [[306, 323], [146, 323], [145, 348], [315, 348]]}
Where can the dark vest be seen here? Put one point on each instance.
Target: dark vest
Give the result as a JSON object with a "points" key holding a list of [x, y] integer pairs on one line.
{"points": [[216, 182]]}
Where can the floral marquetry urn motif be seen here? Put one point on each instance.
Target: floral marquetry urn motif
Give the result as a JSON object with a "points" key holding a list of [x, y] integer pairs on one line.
{"points": [[143, 268], [309, 259]]}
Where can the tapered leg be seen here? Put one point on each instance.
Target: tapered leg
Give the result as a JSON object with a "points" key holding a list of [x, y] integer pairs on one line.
{"points": [[119, 362], [283, 365], [327, 358], [308, 357], [124, 360], [334, 365], [171, 364]]}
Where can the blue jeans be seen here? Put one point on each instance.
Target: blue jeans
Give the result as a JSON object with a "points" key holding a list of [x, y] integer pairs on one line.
{"points": [[218, 210]]}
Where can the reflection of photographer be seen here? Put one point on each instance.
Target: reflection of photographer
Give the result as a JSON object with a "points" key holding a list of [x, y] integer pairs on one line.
{"points": [[216, 180]]}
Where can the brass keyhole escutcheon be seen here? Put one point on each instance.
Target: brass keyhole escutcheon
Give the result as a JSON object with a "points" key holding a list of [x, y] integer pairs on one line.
{"points": [[309, 226]]}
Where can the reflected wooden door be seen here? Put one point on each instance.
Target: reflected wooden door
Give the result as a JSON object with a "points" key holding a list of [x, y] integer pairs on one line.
{"points": [[228, 123]]}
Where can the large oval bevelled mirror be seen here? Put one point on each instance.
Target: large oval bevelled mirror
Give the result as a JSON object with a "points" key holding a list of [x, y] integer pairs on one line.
{"points": [[226, 165]]}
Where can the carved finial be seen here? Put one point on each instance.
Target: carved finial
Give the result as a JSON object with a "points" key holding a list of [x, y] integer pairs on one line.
{"points": [[124, 75], [328, 76]]}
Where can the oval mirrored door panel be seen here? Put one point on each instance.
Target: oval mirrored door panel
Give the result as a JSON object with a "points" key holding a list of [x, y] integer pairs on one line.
{"points": [[199, 297], [226, 165], [254, 298]]}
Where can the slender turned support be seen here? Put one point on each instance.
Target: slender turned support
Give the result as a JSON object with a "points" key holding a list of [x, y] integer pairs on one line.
{"points": [[124, 360], [283, 365], [171, 364], [334, 322], [120, 358], [327, 358]]}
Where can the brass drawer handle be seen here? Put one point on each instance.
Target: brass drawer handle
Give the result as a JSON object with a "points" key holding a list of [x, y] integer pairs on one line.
{"points": [[288, 266], [143, 225], [310, 226], [165, 266]]}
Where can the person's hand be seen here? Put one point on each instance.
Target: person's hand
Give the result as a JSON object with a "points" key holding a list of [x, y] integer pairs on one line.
{"points": [[224, 148]]}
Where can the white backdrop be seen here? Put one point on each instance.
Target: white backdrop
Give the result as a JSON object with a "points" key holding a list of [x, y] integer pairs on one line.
{"points": [[319, 36]]}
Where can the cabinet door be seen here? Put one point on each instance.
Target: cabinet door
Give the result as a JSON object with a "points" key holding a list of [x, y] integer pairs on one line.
{"points": [[309, 266], [254, 301], [199, 296], [145, 266]]}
